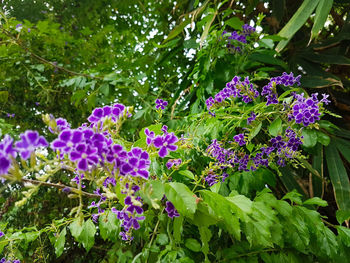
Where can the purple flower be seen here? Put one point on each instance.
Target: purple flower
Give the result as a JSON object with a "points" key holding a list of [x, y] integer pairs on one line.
{"points": [[61, 124], [137, 163], [161, 104], [84, 155], [165, 143], [247, 29], [173, 162], [171, 210], [150, 136], [305, 111], [66, 140], [131, 207], [239, 138], [108, 181], [100, 114], [19, 25], [30, 140], [211, 179], [251, 118], [1, 234]]}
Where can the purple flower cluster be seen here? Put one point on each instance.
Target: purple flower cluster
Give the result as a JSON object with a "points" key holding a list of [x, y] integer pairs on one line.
{"points": [[6, 153], [132, 212], [282, 148], [30, 141], [239, 138], [235, 38], [61, 124], [234, 89], [4, 260], [98, 205], [114, 113], [164, 143], [173, 163], [269, 90], [251, 118], [171, 210], [306, 110], [161, 104], [213, 178]]}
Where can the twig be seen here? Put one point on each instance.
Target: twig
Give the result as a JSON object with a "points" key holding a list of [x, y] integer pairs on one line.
{"points": [[18, 42], [59, 186]]}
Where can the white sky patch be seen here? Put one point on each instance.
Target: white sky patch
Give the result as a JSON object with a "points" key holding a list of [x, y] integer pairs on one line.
{"points": [[258, 29]]}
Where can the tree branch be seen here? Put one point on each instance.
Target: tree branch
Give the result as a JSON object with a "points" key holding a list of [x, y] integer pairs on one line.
{"points": [[59, 186]]}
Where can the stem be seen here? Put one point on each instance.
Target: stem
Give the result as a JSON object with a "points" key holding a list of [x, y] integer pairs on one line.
{"points": [[59, 186]]}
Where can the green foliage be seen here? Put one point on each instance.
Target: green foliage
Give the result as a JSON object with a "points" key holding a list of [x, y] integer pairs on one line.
{"points": [[68, 58]]}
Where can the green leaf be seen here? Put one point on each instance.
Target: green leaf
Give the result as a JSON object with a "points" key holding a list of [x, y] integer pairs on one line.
{"points": [[242, 203], [296, 22], [104, 89], [316, 201], [187, 173], [323, 138], [216, 187], [178, 29], [342, 215], [344, 234], [293, 196], [343, 147], [205, 235], [87, 235], [60, 241], [75, 228], [319, 82], [204, 35], [275, 127], [235, 23], [255, 130], [178, 227], [193, 244], [182, 198], [310, 138], [108, 225], [222, 208], [322, 12], [339, 177]]}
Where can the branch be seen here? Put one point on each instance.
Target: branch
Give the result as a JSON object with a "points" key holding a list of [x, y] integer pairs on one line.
{"points": [[59, 186], [18, 42]]}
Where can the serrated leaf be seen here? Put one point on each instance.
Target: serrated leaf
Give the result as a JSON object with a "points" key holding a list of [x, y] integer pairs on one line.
{"points": [[108, 226], [316, 201], [344, 234], [87, 235], [182, 198], [293, 196], [60, 241], [275, 127], [222, 208]]}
